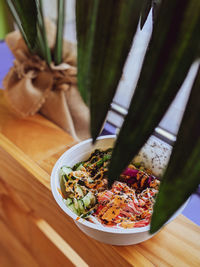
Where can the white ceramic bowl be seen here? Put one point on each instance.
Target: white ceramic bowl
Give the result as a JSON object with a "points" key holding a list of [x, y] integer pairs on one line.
{"points": [[155, 155]]}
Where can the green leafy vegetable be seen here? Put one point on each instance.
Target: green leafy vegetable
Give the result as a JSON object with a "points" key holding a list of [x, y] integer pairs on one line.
{"points": [[104, 159], [76, 166]]}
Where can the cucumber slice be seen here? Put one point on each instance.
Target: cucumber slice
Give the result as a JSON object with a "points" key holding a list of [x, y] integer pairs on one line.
{"points": [[72, 208], [89, 200], [81, 206], [68, 201], [79, 191], [65, 170], [86, 200], [62, 186], [76, 204]]}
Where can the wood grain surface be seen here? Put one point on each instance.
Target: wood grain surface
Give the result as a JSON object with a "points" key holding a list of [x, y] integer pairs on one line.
{"points": [[35, 135], [36, 232]]}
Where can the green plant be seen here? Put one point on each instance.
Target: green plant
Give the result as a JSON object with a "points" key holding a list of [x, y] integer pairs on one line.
{"points": [[105, 31], [174, 46], [28, 15]]}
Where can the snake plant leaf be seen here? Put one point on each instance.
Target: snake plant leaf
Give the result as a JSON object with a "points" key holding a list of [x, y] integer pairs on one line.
{"points": [[174, 45], [42, 47], [145, 12], [85, 12], [60, 29], [148, 4], [155, 9], [113, 24], [25, 15], [28, 16], [182, 175]]}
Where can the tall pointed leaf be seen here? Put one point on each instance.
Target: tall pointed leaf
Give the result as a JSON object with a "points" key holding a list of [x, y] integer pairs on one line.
{"points": [[174, 45], [85, 14], [148, 4], [25, 15], [145, 12], [41, 42], [29, 18], [113, 24], [60, 29], [155, 9], [182, 175]]}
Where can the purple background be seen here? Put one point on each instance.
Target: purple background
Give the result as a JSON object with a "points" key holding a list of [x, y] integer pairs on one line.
{"points": [[192, 211], [6, 59]]}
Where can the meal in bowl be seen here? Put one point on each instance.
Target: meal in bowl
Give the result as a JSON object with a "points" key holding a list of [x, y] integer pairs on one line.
{"points": [[128, 204]]}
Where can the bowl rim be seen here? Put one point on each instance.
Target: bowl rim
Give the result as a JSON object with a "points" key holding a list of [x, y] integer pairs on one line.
{"points": [[57, 196]]}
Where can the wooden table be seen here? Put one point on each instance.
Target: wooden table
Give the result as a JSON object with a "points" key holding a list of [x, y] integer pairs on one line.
{"points": [[34, 231]]}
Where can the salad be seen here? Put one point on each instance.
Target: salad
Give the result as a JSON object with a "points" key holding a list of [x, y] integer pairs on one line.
{"points": [[129, 203]]}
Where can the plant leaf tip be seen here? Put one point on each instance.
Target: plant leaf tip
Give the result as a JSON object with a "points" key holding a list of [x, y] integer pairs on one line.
{"points": [[94, 135], [94, 140], [153, 229]]}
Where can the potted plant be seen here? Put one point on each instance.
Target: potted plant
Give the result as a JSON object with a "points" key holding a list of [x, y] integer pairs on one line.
{"points": [[43, 78], [105, 30]]}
